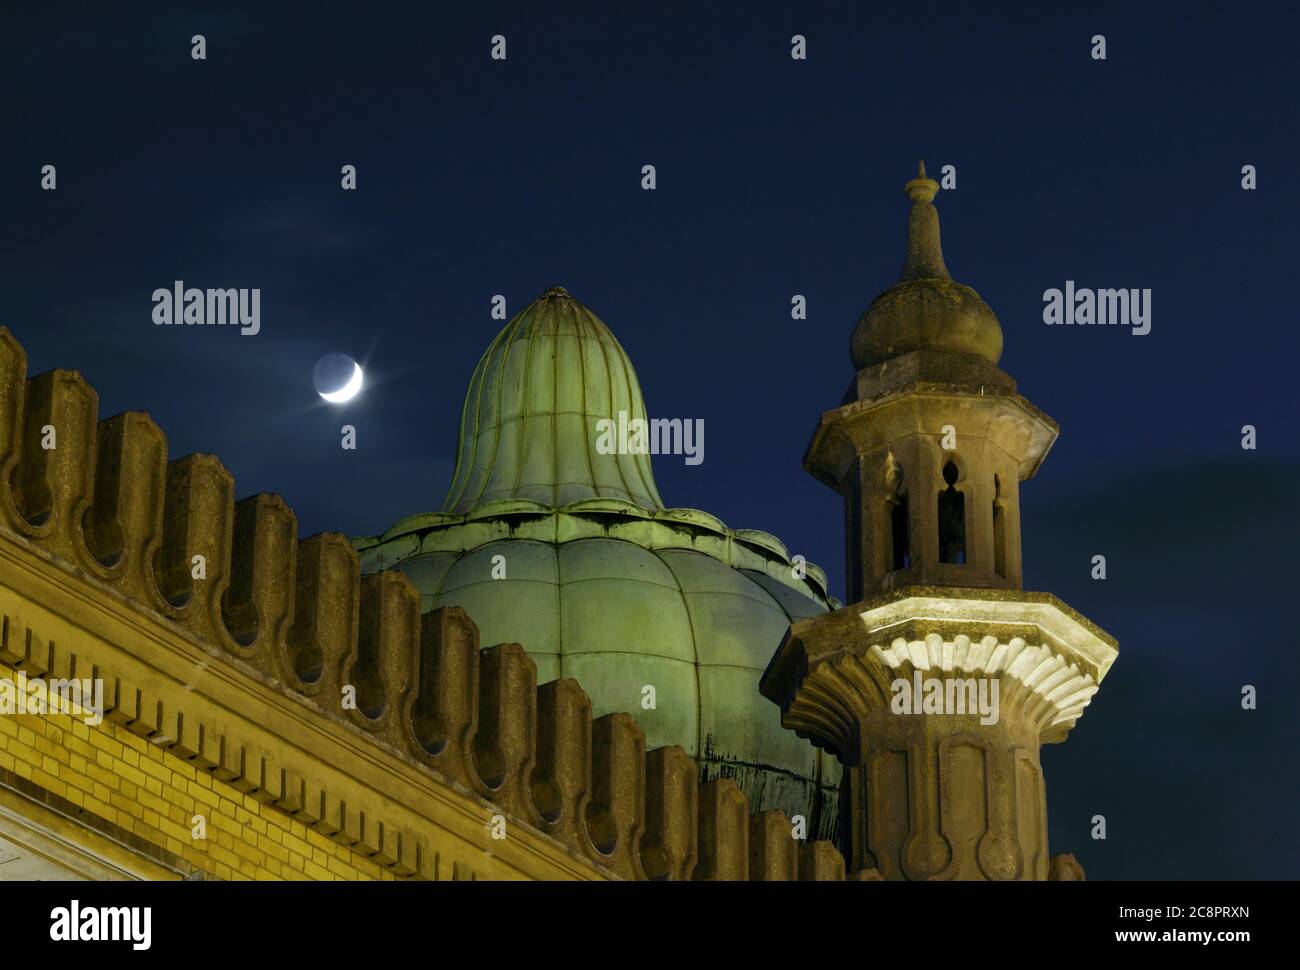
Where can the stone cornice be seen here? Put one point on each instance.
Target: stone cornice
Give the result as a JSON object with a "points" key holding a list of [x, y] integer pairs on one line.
{"points": [[1009, 420], [831, 668]]}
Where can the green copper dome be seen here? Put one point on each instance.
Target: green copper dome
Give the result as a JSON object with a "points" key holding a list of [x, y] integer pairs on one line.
{"points": [[601, 582], [526, 428]]}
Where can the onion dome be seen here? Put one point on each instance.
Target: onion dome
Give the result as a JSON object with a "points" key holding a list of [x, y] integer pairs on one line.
{"points": [[601, 582], [926, 309], [526, 428]]}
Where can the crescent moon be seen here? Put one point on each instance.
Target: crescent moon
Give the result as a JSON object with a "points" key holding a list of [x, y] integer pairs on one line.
{"points": [[348, 391]]}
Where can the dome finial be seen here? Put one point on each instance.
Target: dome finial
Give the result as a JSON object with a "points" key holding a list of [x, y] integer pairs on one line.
{"points": [[924, 254]]}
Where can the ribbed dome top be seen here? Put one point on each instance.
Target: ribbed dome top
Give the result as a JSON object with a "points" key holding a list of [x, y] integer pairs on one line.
{"points": [[529, 425], [925, 309]]}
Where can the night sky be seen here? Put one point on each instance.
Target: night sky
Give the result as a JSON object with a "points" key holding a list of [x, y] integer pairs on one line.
{"points": [[775, 177]]}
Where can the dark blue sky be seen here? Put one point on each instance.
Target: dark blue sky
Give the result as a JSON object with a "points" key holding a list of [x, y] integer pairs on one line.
{"points": [[775, 177]]}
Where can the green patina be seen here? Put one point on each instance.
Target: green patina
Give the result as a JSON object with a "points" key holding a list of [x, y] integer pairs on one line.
{"points": [[602, 583]]}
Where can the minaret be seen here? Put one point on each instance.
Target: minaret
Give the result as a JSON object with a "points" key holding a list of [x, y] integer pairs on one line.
{"points": [[938, 685]]}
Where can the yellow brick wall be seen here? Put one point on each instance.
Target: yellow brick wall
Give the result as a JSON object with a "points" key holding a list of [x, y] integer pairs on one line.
{"points": [[123, 779]]}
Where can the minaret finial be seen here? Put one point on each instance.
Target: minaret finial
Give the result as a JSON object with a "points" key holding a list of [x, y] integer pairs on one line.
{"points": [[926, 309], [922, 188], [924, 254]]}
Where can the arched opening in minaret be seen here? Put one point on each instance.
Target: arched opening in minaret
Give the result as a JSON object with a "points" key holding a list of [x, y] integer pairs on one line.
{"points": [[898, 529], [952, 519], [999, 530]]}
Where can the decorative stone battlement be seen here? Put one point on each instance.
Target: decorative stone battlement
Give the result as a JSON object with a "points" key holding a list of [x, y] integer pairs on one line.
{"points": [[230, 643]]}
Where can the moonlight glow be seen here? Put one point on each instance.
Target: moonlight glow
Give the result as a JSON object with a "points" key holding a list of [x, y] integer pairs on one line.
{"points": [[338, 378]]}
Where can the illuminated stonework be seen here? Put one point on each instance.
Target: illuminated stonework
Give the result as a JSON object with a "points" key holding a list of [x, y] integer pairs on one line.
{"points": [[942, 796], [278, 715], [321, 725], [929, 450]]}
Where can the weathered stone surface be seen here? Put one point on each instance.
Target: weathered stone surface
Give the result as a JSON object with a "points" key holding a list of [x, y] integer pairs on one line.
{"points": [[937, 688]]}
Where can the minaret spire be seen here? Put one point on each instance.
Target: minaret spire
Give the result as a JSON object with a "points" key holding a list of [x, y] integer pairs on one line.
{"points": [[926, 310], [924, 253], [929, 449]]}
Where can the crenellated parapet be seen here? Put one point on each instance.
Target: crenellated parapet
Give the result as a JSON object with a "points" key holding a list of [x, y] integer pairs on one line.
{"points": [[288, 647]]}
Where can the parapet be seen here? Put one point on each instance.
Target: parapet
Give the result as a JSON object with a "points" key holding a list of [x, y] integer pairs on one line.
{"points": [[100, 502]]}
